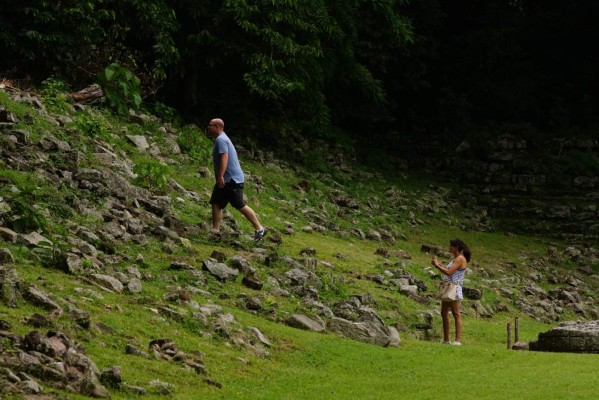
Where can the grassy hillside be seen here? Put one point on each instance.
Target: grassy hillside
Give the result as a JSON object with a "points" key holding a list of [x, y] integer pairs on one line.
{"points": [[356, 230]]}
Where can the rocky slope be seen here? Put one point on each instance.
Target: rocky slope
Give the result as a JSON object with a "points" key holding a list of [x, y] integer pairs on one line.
{"points": [[87, 198]]}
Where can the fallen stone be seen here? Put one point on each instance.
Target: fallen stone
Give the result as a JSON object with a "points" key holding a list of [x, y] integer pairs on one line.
{"points": [[34, 239], [134, 286], [9, 282], [304, 322], [6, 257], [139, 141], [368, 332], [220, 271], [107, 282], [111, 377], [520, 346], [260, 336], [252, 282], [41, 299], [8, 235]]}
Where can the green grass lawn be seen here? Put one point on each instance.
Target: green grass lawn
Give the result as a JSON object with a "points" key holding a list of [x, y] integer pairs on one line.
{"points": [[328, 367], [307, 365]]}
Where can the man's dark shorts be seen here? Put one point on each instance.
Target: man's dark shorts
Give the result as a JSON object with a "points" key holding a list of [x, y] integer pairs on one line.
{"points": [[231, 193]]}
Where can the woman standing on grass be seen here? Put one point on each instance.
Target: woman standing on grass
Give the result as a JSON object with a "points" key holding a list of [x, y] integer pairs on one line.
{"points": [[454, 272]]}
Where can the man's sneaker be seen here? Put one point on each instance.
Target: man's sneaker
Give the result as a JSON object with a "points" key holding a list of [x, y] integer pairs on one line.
{"points": [[456, 343], [259, 234]]}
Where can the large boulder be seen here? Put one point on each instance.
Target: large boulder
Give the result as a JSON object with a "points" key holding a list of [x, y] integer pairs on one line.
{"points": [[304, 322], [365, 331]]}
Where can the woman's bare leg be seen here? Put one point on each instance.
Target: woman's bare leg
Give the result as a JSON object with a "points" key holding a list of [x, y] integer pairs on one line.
{"points": [[445, 307], [455, 310]]}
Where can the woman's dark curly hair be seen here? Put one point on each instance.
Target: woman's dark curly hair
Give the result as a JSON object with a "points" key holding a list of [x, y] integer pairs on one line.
{"points": [[461, 247]]}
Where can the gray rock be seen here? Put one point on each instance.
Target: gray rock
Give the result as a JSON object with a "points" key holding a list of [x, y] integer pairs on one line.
{"points": [[180, 266], [520, 346], [369, 332], [373, 235], [30, 387], [139, 141], [220, 271], [8, 235], [172, 313], [472, 294], [111, 377], [33, 239], [81, 317], [134, 286], [107, 282], [41, 299], [480, 310], [161, 388], [122, 277], [133, 271], [251, 281], [304, 322], [130, 349], [74, 265], [320, 308], [303, 277], [260, 336], [9, 281], [91, 293], [409, 290], [240, 263], [135, 390], [88, 249], [394, 338]]}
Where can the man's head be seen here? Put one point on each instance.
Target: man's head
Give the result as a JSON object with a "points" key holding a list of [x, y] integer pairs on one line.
{"points": [[215, 127]]}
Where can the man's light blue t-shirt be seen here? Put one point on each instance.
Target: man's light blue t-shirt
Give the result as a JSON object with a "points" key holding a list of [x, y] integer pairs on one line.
{"points": [[223, 144]]}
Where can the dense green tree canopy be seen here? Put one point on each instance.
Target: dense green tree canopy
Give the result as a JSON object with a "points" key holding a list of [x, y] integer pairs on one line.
{"points": [[283, 69]]}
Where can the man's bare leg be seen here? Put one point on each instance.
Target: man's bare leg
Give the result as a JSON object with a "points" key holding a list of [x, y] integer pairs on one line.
{"points": [[217, 217], [250, 215]]}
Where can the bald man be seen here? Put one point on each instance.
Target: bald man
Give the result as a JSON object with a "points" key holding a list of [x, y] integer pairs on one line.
{"points": [[229, 180]]}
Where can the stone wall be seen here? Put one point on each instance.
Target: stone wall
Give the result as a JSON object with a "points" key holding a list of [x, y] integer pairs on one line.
{"points": [[569, 337], [546, 186]]}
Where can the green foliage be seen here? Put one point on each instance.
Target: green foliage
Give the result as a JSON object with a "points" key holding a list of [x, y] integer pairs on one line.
{"points": [[195, 143], [54, 95], [51, 35], [333, 286], [152, 174], [166, 113], [26, 216], [121, 88], [91, 126], [25, 198]]}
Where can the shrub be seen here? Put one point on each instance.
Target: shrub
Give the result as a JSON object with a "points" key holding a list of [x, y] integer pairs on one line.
{"points": [[152, 174], [54, 95], [121, 87], [90, 126], [25, 214], [194, 143]]}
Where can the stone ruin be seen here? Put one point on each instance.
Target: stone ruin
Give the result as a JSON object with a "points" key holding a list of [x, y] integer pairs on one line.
{"points": [[569, 337]]}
